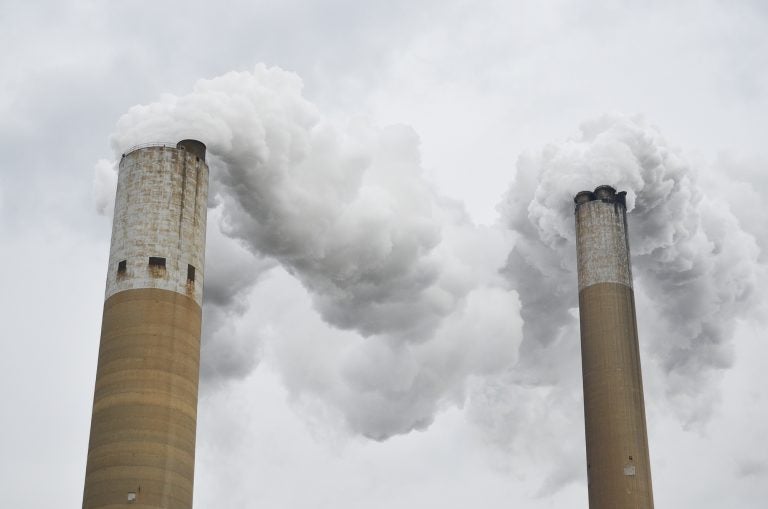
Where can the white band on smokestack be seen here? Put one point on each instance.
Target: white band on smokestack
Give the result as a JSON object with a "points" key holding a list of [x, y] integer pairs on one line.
{"points": [[158, 233], [601, 231]]}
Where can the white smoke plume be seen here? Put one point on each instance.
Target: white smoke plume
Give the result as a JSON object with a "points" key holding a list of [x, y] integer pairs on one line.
{"points": [[104, 185], [229, 349], [347, 211], [694, 266], [412, 289], [228, 352]]}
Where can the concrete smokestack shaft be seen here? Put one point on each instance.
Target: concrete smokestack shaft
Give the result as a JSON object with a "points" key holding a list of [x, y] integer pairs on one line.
{"points": [[618, 464], [141, 452]]}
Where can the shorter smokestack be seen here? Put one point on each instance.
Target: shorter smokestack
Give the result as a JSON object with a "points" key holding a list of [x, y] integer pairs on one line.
{"points": [[618, 463]]}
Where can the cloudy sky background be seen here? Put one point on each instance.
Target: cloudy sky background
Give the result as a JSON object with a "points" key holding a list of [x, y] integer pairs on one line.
{"points": [[389, 315]]}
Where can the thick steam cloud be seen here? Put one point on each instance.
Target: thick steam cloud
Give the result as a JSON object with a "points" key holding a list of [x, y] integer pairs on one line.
{"points": [[418, 299], [347, 212], [695, 268]]}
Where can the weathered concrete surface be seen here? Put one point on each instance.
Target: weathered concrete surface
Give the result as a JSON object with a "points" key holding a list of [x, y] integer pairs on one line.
{"points": [[160, 210], [145, 403], [142, 444], [618, 464], [601, 236]]}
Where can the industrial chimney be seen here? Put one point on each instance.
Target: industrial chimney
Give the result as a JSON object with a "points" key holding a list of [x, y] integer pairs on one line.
{"points": [[142, 444], [618, 464]]}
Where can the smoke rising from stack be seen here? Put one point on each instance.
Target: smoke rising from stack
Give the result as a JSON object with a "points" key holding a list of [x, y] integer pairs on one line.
{"points": [[348, 212], [230, 349], [694, 264], [413, 289]]}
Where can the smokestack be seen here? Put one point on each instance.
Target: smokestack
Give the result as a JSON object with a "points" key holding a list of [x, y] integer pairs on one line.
{"points": [[142, 441], [618, 464]]}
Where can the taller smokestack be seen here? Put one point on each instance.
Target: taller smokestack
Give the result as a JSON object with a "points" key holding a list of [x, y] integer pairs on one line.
{"points": [[618, 464], [142, 446]]}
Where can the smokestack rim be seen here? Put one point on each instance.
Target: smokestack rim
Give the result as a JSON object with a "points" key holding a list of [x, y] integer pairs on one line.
{"points": [[195, 147], [583, 197], [605, 192], [150, 144]]}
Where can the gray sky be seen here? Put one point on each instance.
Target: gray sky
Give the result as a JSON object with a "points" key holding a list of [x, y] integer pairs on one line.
{"points": [[389, 361]]}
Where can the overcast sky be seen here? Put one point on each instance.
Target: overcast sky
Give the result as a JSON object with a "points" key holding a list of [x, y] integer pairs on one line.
{"points": [[390, 315]]}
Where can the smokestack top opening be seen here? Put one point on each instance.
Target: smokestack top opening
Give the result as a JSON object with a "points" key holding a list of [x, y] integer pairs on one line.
{"points": [[584, 197], [603, 193], [194, 147]]}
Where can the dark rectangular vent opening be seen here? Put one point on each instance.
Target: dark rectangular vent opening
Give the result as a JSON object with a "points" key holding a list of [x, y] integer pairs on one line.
{"points": [[157, 266], [157, 261], [122, 267], [190, 273]]}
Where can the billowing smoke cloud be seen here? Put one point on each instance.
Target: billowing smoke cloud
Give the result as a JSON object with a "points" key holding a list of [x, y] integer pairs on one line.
{"points": [[694, 265], [346, 211], [104, 184], [695, 268], [412, 289], [230, 349]]}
